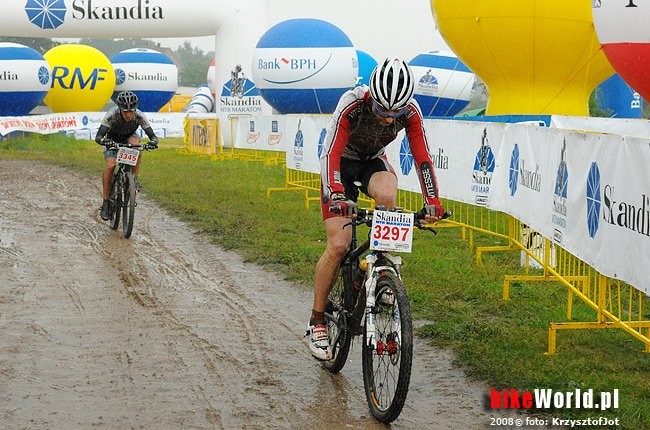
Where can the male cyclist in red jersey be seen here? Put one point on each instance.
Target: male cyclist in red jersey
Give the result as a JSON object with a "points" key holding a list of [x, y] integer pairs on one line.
{"points": [[120, 126], [365, 121]]}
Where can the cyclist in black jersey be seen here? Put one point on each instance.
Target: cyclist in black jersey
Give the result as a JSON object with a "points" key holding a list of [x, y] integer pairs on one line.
{"points": [[120, 126]]}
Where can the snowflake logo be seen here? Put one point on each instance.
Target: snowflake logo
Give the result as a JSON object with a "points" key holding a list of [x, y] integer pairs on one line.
{"points": [[46, 14], [43, 75], [120, 76], [321, 140], [593, 199], [405, 156], [514, 170]]}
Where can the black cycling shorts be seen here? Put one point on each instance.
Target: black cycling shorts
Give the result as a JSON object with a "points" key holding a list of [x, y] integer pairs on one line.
{"points": [[356, 171]]}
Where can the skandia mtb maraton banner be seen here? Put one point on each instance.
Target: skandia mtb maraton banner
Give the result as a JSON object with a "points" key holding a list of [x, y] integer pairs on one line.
{"points": [[110, 18]]}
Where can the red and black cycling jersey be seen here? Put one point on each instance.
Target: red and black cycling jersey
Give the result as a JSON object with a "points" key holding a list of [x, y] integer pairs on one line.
{"points": [[114, 127], [356, 134]]}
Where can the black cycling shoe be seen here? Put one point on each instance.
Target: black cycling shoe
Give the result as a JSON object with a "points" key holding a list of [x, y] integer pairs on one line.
{"points": [[104, 211]]}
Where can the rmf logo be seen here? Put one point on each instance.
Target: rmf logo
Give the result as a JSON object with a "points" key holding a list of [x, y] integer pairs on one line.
{"points": [[75, 79]]}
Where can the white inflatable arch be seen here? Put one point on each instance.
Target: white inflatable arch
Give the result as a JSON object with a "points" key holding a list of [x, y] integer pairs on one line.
{"points": [[236, 25]]}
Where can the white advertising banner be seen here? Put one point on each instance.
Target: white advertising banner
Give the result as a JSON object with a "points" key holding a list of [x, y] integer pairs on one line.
{"points": [[305, 134], [587, 192], [463, 154], [84, 125], [522, 185], [111, 18], [261, 132], [624, 126], [608, 206]]}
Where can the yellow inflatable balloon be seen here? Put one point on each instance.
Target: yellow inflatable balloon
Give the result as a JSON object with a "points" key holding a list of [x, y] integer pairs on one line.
{"points": [[536, 57], [83, 79]]}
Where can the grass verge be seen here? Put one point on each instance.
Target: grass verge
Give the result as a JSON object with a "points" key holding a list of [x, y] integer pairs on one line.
{"points": [[499, 342]]}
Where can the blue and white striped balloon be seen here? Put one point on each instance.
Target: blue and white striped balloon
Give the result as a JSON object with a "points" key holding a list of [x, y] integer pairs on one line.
{"points": [[443, 83], [202, 101], [25, 79], [304, 66], [150, 74]]}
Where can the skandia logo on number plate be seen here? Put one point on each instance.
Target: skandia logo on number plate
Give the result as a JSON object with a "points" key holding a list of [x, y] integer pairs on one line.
{"points": [[50, 14]]}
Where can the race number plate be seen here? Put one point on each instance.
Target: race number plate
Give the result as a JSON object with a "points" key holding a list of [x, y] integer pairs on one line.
{"points": [[391, 231], [128, 156]]}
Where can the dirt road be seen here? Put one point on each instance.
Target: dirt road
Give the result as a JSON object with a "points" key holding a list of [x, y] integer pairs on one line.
{"points": [[168, 331]]}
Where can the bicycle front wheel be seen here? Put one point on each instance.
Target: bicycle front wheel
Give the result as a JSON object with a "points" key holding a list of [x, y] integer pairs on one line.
{"points": [[338, 329], [387, 368], [128, 206], [115, 201]]}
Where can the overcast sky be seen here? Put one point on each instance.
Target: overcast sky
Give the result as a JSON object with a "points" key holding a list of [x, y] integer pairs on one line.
{"points": [[379, 27]]}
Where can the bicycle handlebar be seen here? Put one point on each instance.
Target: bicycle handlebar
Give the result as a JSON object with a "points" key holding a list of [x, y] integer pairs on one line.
{"points": [[111, 144], [364, 216]]}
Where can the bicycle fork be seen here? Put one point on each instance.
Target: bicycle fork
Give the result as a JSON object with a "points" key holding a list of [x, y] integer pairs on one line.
{"points": [[371, 297]]}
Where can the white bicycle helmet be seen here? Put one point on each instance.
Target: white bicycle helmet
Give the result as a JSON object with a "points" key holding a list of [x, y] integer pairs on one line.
{"points": [[391, 84]]}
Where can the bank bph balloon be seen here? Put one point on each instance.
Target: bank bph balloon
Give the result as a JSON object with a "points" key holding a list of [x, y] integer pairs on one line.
{"points": [[443, 83], [82, 79], [304, 66], [24, 79], [150, 74], [624, 34]]}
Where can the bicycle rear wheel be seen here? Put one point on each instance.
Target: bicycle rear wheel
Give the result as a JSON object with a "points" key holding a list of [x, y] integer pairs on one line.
{"points": [[336, 316], [115, 201], [128, 206], [387, 369]]}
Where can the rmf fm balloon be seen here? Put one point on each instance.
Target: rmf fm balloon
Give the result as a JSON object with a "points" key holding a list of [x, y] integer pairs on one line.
{"points": [[82, 79]]}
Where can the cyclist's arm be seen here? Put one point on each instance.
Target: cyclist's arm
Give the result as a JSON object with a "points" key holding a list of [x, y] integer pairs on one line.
{"points": [[336, 139], [150, 133], [101, 133], [146, 127], [420, 149]]}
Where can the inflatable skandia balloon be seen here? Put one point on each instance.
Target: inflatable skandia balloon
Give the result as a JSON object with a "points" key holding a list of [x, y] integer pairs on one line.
{"points": [[24, 79], [211, 77], [304, 66], [82, 79], [150, 74], [366, 65], [443, 84], [536, 57], [622, 28], [618, 98]]}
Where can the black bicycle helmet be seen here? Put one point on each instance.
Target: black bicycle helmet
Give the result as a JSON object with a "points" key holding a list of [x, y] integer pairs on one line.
{"points": [[392, 84], [127, 100]]}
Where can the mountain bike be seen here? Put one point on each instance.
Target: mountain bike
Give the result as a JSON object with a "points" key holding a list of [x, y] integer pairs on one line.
{"points": [[121, 199], [368, 298]]}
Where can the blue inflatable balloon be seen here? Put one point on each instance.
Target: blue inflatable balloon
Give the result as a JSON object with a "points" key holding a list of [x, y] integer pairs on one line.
{"points": [[150, 74], [303, 66], [25, 79], [443, 84], [366, 65], [618, 98]]}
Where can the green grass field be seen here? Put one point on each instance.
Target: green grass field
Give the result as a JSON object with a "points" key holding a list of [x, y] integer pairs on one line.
{"points": [[500, 342]]}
